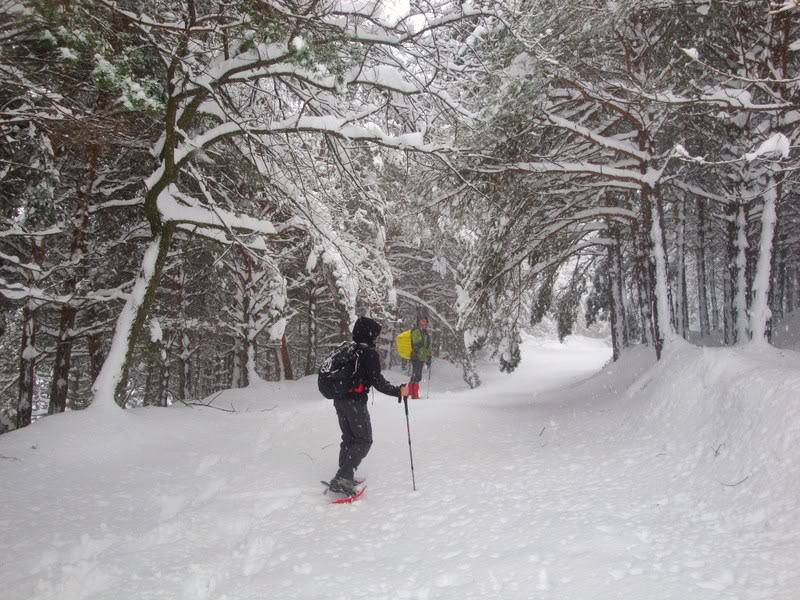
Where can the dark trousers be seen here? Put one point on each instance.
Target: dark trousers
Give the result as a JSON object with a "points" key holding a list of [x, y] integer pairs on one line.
{"points": [[416, 371], [356, 435]]}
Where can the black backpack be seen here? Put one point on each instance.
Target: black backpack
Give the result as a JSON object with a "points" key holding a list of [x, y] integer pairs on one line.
{"points": [[339, 371]]}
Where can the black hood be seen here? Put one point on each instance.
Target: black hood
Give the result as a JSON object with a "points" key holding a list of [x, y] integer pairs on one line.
{"points": [[366, 331]]}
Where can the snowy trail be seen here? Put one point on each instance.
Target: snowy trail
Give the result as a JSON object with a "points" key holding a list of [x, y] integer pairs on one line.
{"points": [[529, 488]]}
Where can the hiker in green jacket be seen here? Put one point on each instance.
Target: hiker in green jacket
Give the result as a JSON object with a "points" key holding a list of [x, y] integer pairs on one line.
{"points": [[420, 355]]}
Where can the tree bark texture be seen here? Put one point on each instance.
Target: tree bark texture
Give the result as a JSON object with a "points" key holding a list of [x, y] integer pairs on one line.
{"points": [[702, 283], [62, 362], [619, 334], [286, 360], [681, 301], [112, 380]]}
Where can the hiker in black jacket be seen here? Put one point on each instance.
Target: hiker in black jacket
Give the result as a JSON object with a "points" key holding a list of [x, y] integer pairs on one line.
{"points": [[351, 409]]}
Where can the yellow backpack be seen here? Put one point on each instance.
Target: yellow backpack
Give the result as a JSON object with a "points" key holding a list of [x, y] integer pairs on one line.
{"points": [[403, 344]]}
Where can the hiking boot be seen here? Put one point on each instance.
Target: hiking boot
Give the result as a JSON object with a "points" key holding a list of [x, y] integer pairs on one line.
{"points": [[343, 486]]}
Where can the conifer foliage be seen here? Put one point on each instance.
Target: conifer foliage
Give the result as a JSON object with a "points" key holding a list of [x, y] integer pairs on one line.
{"points": [[643, 152], [184, 200]]}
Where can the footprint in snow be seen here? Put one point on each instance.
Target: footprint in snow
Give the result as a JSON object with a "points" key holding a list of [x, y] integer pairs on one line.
{"points": [[256, 555]]}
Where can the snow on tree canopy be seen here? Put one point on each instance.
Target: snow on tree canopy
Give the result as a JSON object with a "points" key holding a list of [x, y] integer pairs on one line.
{"points": [[277, 329], [156, 334], [777, 143], [439, 265], [311, 261], [691, 53]]}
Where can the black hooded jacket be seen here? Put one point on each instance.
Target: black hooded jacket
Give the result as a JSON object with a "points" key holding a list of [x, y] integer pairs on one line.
{"points": [[365, 332]]}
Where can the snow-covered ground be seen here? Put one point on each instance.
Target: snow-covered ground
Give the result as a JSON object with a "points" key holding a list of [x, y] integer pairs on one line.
{"points": [[561, 481]]}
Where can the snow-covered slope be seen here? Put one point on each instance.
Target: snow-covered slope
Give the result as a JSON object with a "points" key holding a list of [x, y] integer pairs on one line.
{"points": [[561, 481]]}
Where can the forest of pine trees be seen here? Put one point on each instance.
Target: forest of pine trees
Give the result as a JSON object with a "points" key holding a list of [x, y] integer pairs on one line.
{"points": [[196, 194]]}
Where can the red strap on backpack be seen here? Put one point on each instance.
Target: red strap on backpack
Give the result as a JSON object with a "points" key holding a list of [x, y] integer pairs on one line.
{"points": [[359, 389]]}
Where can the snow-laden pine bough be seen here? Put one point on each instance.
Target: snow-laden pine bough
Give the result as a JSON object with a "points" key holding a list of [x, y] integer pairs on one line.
{"points": [[214, 62]]}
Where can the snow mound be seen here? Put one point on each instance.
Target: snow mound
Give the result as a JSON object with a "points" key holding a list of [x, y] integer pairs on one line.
{"points": [[731, 417]]}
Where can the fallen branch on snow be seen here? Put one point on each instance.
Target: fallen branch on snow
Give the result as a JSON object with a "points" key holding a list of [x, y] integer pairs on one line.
{"points": [[737, 483]]}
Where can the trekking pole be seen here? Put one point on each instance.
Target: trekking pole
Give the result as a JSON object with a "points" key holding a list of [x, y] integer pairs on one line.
{"points": [[428, 387], [410, 454]]}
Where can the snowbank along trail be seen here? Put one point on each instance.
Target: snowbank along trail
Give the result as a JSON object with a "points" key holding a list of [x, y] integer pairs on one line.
{"points": [[539, 485]]}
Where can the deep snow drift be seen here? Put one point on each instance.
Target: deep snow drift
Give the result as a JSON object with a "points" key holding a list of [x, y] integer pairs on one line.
{"points": [[678, 480]]}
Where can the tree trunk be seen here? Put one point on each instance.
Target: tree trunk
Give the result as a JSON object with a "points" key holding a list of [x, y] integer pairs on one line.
{"points": [[729, 274], [778, 288], [28, 352], [311, 354], [770, 270], [163, 381], [714, 300], [702, 284], [62, 362], [469, 373], [740, 300], [244, 366], [76, 391], [199, 383], [110, 384], [655, 280], [63, 358], [252, 374], [217, 369], [681, 300], [184, 367], [148, 386], [390, 357], [619, 336], [239, 375], [229, 370], [790, 290], [760, 313], [285, 360], [663, 303], [96, 358], [184, 354], [27, 367], [642, 275], [279, 372]]}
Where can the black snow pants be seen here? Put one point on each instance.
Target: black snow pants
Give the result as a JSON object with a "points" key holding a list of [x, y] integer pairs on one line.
{"points": [[416, 371], [356, 435]]}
